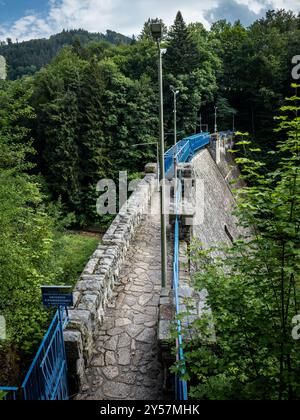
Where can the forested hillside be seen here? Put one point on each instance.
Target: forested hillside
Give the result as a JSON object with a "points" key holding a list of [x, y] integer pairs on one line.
{"points": [[85, 102], [94, 102], [26, 58]]}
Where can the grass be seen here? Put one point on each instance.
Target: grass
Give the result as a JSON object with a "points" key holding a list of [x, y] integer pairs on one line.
{"points": [[76, 250]]}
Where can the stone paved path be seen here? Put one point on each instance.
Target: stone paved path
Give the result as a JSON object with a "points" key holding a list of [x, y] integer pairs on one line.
{"points": [[125, 363]]}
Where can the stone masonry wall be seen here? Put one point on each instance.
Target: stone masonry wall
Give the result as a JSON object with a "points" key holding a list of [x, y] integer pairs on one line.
{"points": [[96, 284]]}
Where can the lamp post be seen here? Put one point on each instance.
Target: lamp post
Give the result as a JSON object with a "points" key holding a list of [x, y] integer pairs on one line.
{"points": [[200, 123], [216, 127], [157, 31], [175, 93]]}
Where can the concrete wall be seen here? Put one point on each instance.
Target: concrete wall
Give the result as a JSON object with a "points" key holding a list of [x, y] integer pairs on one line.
{"points": [[96, 284], [212, 170], [2, 68], [217, 204]]}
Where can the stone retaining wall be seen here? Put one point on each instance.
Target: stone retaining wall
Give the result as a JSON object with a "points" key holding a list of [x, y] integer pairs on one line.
{"points": [[96, 284]]}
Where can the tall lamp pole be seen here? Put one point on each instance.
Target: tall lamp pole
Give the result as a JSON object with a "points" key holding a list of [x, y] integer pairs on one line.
{"points": [[157, 31], [216, 127], [175, 93], [200, 123]]}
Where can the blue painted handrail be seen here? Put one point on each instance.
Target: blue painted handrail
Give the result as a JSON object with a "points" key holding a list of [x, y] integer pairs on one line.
{"points": [[47, 373], [9, 393], [181, 388], [46, 378], [182, 152]]}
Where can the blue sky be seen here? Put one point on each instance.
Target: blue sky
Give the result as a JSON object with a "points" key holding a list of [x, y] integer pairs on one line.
{"points": [[26, 19], [11, 10]]}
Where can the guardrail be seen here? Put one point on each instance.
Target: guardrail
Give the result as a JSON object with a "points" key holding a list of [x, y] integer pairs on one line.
{"points": [[181, 389], [46, 378], [8, 393], [182, 152]]}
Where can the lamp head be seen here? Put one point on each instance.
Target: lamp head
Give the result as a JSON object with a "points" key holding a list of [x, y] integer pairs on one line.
{"points": [[156, 31], [175, 91]]}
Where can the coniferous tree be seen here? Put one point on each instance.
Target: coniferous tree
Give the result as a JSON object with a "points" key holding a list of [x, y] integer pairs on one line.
{"points": [[190, 72], [182, 54], [55, 100]]}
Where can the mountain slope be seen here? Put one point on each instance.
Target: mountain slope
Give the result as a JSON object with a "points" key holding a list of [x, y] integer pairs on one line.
{"points": [[25, 58]]}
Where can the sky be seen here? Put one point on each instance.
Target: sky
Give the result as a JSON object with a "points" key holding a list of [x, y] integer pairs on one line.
{"points": [[27, 19]]}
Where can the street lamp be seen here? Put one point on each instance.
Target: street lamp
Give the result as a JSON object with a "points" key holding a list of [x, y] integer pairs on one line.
{"points": [[200, 123], [157, 32], [216, 127], [175, 93]]}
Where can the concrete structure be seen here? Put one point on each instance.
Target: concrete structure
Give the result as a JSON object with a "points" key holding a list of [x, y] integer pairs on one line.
{"points": [[3, 73], [97, 283], [213, 224], [118, 339]]}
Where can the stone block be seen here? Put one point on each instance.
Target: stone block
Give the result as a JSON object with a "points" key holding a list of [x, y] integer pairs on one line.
{"points": [[151, 168]]}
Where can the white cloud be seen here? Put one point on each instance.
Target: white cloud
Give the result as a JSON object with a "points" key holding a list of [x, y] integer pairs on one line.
{"points": [[124, 16]]}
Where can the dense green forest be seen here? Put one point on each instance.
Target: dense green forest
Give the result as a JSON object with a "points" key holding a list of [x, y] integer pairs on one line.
{"points": [[79, 117], [94, 101], [26, 58]]}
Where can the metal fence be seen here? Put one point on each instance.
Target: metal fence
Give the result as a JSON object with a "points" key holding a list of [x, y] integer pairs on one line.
{"points": [[47, 376], [8, 393], [183, 152], [180, 384]]}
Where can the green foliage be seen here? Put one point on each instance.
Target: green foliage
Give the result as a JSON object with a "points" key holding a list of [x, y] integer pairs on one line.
{"points": [[254, 288], [90, 113], [79, 118], [55, 99], [72, 253], [190, 66], [255, 75], [33, 251], [26, 236], [14, 111]]}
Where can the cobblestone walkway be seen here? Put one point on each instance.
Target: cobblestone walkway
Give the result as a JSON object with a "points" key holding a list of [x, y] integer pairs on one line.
{"points": [[125, 363]]}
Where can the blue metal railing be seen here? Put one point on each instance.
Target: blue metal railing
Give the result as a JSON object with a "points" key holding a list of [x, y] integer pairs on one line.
{"points": [[198, 141], [182, 152], [8, 393], [181, 384], [46, 378], [187, 147]]}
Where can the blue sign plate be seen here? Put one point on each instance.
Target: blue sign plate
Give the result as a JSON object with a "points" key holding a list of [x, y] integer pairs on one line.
{"points": [[55, 296]]}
